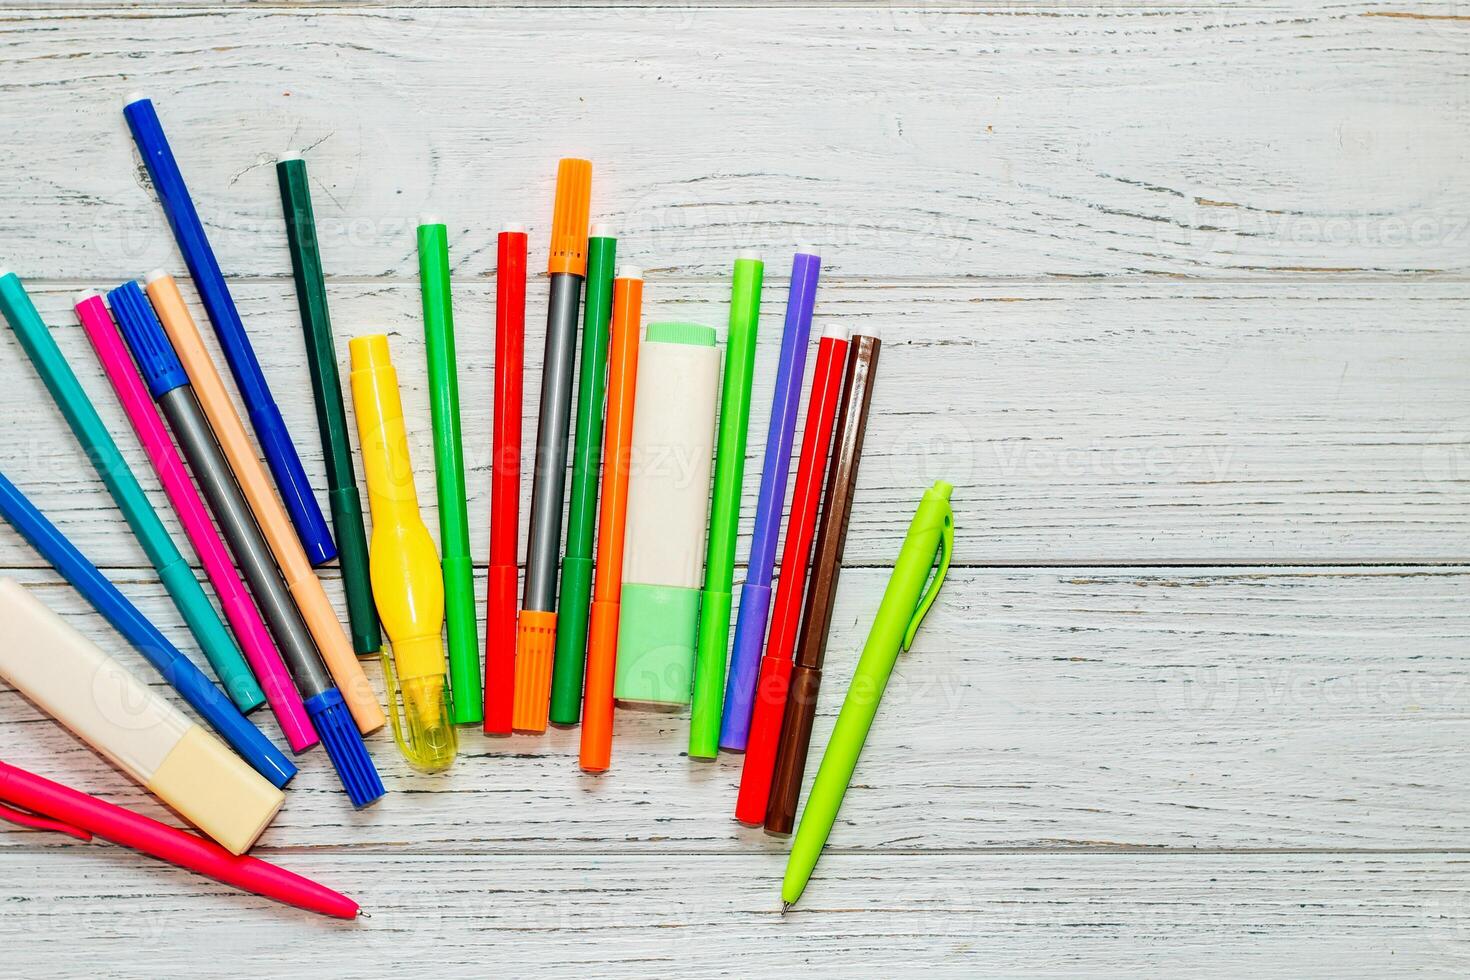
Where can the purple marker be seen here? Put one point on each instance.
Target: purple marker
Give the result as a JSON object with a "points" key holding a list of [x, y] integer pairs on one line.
{"points": [[755, 597]]}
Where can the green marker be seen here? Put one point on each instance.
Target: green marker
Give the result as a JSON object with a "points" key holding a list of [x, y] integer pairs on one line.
{"points": [[576, 566], [454, 531], [326, 389], [930, 541], [719, 574], [177, 577]]}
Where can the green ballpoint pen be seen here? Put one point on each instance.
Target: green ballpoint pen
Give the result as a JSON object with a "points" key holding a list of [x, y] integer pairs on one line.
{"points": [[173, 570], [719, 575], [454, 530], [905, 602], [326, 389], [576, 565]]}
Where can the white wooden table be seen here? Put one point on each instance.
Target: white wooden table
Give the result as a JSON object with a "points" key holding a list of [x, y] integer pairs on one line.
{"points": [[1176, 295]]}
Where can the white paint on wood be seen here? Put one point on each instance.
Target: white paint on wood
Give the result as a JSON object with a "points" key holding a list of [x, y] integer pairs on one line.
{"points": [[1079, 142]]}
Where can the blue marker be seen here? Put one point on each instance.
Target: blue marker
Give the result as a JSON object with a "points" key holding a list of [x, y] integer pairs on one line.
{"points": [[176, 668], [265, 417]]}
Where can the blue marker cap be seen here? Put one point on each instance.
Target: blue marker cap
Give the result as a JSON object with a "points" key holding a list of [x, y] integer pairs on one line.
{"points": [[156, 359], [338, 732], [178, 670]]}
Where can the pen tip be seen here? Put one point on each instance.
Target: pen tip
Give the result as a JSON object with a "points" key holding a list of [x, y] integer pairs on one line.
{"points": [[363, 914], [784, 907]]}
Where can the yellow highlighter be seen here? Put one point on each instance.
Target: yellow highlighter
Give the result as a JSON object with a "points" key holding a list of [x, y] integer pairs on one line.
{"points": [[408, 586]]}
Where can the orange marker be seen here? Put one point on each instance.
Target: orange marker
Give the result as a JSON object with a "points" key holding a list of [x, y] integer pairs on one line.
{"points": [[602, 633], [305, 588]]}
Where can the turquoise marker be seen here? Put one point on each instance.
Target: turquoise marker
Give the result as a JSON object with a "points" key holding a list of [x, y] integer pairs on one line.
{"points": [[178, 578]]}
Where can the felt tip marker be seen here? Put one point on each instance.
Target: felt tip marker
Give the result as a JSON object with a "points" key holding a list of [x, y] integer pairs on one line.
{"points": [[305, 588], [454, 528], [173, 570], [29, 801], [265, 416], [602, 633], [255, 640], [408, 582], [169, 385], [816, 620], [724, 522], [801, 527], [755, 595], [576, 565], [505, 480], [326, 391], [175, 668], [567, 266]]}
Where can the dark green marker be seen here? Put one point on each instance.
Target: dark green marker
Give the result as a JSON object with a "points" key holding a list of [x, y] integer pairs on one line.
{"points": [[326, 387], [576, 567]]}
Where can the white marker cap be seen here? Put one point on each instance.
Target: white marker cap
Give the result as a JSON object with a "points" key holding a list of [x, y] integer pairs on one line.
{"points": [[600, 230], [835, 331], [630, 272], [807, 250], [134, 97], [4, 272], [748, 253], [429, 218], [875, 332], [83, 296], [154, 276], [288, 155], [514, 227]]}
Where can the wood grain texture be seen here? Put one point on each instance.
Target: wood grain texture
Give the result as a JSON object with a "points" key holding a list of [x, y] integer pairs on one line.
{"points": [[866, 915], [1089, 708], [1092, 142], [1173, 292], [1129, 423]]}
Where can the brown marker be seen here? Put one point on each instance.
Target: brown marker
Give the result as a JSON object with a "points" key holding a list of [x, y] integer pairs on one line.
{"points": [[811, 646]]}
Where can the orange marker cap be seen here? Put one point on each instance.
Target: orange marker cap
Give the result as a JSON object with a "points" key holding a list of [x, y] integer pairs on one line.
{"points": [[569, 217]]}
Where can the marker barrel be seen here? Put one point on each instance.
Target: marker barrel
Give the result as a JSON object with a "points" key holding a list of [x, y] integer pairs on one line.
{"points": [[576, 567], [454, 529], [177, 577], [724, 522], [602, 633], [265, 416], [326, 390]]}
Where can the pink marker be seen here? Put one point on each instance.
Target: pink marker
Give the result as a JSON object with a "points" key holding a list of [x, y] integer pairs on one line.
{"points": [[255, 641]]}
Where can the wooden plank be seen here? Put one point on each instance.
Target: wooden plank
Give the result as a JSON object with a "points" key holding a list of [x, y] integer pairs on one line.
{"points": [[99, 910], [1106, 708], [1140, 423], [1005, 143]]}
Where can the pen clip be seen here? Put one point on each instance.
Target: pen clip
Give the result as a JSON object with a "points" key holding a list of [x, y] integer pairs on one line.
{"points": [[931, 591], [33, 822]]}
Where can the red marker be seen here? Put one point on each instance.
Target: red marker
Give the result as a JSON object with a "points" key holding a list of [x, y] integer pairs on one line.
{"points": [[801, 525], [29, 801], [505, 480]]}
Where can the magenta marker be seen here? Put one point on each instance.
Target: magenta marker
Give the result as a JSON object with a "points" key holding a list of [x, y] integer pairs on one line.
{"points": [[255, 641], [755, 595]]}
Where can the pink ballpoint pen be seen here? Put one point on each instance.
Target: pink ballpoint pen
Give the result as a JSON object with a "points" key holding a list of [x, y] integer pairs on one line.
{"points": [[255, 641]]}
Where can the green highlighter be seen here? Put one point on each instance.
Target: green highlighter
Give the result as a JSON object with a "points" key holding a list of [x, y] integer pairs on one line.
{"points": [[576, 566], [326, 389], [454, 530], [719, 575], [905, 602]]}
